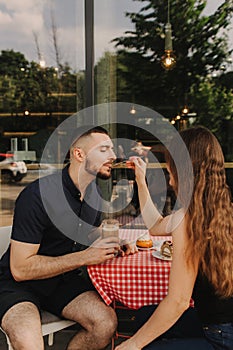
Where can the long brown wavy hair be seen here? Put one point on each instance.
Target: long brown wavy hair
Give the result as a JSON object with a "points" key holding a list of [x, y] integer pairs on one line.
{"points": [[209, 208]]}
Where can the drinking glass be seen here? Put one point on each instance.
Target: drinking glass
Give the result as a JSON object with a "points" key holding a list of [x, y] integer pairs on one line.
{"points": [[110, 228]]}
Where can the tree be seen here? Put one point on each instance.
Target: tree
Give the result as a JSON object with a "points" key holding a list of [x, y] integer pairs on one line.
{"points": [[13, 66], [214, 104], [27, 86], [105, 78], [199, 42], [12, 63]]}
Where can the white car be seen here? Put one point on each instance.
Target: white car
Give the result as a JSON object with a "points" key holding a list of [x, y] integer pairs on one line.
{"points": [[11, 169]]}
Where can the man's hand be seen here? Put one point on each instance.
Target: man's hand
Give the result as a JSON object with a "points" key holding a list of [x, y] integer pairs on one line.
{"points": [[101, 250]]}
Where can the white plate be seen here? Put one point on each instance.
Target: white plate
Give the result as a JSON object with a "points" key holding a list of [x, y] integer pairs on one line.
{"points": [[157, 244], [158, 255]]}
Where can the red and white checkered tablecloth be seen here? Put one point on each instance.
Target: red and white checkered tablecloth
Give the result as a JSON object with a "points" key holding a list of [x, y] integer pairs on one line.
{"points": [[135, 280]]}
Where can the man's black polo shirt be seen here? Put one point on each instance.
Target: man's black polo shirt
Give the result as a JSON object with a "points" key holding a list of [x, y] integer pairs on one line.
{"points": [[49, 212]]}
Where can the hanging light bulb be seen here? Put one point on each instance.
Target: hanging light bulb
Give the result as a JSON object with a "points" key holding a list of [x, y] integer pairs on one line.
{"points": [[168, 60], [185, 109]]}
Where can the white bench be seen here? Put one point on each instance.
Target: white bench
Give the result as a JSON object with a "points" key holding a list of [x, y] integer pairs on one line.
{"points": [[49, 322]]}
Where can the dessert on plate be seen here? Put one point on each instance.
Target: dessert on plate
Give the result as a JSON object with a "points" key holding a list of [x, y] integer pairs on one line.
{"points": [[166, 249], [144, 241]]}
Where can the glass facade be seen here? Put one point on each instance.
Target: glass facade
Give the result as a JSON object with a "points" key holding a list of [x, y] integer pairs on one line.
{"points": [[38, 94], [26, 127]]}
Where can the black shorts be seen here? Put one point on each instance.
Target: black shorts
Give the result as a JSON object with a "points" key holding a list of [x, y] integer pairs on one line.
{"points": [[51, 294]]}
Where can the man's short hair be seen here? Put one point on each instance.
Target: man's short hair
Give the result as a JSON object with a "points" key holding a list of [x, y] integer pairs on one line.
{"points": [[86, 130]]}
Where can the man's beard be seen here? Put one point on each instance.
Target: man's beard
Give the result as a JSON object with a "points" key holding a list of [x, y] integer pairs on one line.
{"points": [[103, 176], [99, 174]]}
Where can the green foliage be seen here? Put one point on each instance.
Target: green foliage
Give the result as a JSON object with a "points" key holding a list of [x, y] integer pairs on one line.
{"points": [[213, 104], [12, 64], [80, 91], [26, 86], [199, 42], [105, 79]]}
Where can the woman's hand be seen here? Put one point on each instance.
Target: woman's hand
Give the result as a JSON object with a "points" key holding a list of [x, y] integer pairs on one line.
{"points": [[140, 168], [127, 248], [128, 345]]}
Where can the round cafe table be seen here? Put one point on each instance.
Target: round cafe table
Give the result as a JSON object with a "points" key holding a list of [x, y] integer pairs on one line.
{"points": [[135, 280]]}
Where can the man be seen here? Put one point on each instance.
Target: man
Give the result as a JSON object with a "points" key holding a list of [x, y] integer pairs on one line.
{"points": [[41, 269]]}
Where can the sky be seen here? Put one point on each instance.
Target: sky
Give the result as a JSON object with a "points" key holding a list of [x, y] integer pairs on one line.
{"points": [[20, 21]]}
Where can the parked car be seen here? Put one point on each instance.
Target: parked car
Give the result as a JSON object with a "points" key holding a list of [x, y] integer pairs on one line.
{"points": [[11, 169]]}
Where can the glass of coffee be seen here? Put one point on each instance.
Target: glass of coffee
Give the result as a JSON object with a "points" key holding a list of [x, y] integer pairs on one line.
{"points": [[110, 228]]}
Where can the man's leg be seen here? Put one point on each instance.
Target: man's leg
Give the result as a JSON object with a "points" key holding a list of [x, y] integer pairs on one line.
{"points": [[22, 324], [98, 321]]}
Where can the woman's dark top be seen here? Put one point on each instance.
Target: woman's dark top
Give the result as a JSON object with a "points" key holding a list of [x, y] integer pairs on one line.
{"points": [[211, 308]]}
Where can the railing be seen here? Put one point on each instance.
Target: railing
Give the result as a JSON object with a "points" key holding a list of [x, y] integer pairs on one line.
{"points": [[163, 165]]}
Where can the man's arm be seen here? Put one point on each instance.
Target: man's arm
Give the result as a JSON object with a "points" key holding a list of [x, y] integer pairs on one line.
{"points": [[26, 264]]}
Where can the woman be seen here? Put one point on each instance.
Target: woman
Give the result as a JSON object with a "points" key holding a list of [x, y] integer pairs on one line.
{"points": [[202, 234]]}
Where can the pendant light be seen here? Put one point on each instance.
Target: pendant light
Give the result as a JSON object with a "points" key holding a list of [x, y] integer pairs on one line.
{"points": [[168, 60]]}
